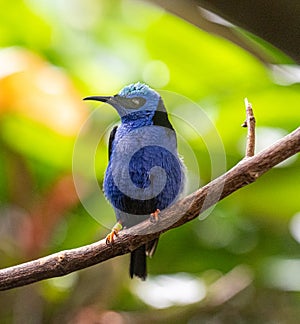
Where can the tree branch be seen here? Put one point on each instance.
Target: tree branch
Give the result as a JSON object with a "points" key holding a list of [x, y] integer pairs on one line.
{"points": [[64, 262]]}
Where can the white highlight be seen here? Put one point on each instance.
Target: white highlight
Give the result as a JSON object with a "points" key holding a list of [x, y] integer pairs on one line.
{"points": [[283, 274], [285, 74], [169, 290], [295, 227]]}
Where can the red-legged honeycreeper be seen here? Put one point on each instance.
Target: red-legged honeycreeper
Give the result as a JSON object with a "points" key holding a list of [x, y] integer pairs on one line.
{"points": [[145, 174]]}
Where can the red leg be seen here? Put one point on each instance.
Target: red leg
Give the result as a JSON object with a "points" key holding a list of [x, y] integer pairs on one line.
{"points": [[154, 216], [114, 232]]}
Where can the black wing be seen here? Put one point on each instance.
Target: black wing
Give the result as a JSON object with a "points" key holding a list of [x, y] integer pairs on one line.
{"points": [[111, 139]]}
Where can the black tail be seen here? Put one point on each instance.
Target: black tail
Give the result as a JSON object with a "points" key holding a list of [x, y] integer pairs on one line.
{"points": [[138, 266], [138, 263]]}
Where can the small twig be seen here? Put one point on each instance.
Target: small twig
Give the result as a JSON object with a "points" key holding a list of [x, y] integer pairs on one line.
{"points": [[250, 124]]}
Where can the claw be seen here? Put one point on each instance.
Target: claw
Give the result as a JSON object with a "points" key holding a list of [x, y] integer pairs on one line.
{"points": [[114, 232], [154, 216], [110, 237]]}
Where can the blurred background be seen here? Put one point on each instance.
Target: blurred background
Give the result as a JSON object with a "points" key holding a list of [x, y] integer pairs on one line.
{"points": [[238, 264]]}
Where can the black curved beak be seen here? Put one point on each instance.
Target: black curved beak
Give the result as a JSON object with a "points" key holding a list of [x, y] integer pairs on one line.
{"points": [[98, 98]]}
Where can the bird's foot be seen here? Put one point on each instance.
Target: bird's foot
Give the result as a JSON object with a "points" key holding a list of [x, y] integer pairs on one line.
{"points": [[114, 232], [154, 216]]}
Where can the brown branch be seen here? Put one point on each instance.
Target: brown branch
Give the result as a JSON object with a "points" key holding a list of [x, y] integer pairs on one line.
{"points": [[64, 262]]}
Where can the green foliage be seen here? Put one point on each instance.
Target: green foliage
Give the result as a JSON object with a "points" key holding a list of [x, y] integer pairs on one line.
{"points": [[96, 47]]}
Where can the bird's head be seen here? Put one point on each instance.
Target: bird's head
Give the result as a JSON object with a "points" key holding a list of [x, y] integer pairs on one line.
{"points": [[132, 99]]}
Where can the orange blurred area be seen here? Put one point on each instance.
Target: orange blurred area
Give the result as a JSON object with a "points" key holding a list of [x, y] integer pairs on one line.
{"points": [[34, 88], [36, 230]]}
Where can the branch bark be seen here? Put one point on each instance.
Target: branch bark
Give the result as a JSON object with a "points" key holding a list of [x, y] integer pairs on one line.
{"points": [[64, 262]]}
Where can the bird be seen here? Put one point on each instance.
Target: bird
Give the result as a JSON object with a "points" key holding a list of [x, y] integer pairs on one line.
{"points": [[145, 173]]}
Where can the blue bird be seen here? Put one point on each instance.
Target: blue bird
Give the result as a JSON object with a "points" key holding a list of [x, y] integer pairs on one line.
{"points": [[145, 174]]}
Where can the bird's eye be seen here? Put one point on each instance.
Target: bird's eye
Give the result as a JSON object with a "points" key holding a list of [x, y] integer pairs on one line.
{"points": [[136, 101], [131, 103]]}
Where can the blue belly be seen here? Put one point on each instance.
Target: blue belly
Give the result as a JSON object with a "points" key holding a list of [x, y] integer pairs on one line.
{"points": [[139, 169]]}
